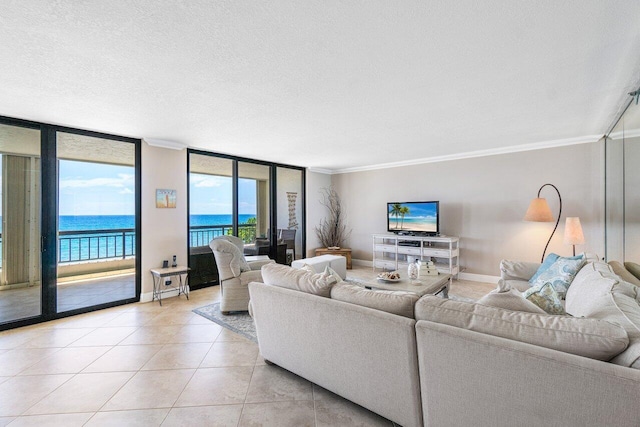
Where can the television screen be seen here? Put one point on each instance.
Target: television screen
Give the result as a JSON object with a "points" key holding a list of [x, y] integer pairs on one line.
{"points": [[413, 218]]}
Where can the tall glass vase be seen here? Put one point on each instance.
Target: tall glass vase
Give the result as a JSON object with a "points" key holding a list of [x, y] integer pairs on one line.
{"points": [[413, 271]]}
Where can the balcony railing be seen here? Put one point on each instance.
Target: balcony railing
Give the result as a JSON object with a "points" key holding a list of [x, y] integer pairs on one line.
{"points": [[201, 235], [77, 246], [90, 245]]}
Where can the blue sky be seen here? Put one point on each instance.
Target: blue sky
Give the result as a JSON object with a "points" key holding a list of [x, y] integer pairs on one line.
{"points": [[100, 189], [420, 210], [96, 189], [211, 195]]}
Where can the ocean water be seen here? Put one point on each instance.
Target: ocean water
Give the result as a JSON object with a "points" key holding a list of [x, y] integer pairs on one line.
{"points": [[81, 247], [110, 222]]}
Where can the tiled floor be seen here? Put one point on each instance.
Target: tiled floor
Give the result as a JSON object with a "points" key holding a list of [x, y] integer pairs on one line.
{"points": [[143, 364]]}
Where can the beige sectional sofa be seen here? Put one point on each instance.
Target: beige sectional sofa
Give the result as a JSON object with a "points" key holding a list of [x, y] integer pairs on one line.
{"points": [[458, 363]]}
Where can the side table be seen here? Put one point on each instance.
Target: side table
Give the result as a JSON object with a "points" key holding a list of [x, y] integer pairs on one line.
{"points": [[342, 251], [159, 287]]}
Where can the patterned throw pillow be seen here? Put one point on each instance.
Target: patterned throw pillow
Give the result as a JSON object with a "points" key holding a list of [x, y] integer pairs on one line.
{"points": [[545, 297], [548, 262], [560, 274]]}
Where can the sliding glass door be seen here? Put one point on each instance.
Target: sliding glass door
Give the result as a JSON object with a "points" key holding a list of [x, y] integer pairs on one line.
{"points": [[290, 210], [69, 206], [254, 202], [20, 201], [260, 202], [96, 221]]}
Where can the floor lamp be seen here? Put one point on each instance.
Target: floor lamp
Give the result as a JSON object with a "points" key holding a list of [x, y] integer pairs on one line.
{"points": [[539, 211]]}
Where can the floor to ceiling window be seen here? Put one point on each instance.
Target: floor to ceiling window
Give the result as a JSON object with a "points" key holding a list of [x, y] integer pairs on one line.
{"points": [[243, 197], [20, 273], [69, 202], [96, 221]]}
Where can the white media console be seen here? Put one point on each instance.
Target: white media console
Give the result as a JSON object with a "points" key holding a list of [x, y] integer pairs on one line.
{"points": [[392, 252]]}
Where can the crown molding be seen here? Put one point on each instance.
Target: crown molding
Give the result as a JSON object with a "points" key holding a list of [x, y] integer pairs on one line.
{"points": [[587, 139], [322, 171], [164, 143], [632, 133]]}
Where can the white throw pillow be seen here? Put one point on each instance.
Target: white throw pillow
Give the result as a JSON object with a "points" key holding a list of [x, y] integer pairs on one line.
{"points": [[298, 279], [509, 299]]}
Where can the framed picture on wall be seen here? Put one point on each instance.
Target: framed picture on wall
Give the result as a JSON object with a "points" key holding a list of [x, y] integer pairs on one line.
{"points": [[165, 198]]}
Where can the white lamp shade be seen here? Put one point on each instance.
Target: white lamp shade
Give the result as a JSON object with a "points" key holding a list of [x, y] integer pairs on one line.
{"points": [[573, 231], [539, 211]]}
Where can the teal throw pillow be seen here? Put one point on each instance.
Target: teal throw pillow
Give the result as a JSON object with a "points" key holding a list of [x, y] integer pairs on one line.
{"points": [[548, 262], [545, 297], [560, 274]]}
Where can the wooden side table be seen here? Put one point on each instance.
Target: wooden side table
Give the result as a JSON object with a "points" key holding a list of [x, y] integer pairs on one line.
{"points": [[342, 251]]}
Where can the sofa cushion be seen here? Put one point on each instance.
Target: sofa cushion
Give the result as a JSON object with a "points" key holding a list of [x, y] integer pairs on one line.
{"points": [[600, 294], [509, 299], [517, 270], [560, 274], [633, 268], [396, 302], [620, 270], [545, 297], [298, 280], [596, 339]]}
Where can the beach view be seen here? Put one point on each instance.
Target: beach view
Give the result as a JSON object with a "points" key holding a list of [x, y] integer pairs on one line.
{"points": [[413, 216]]}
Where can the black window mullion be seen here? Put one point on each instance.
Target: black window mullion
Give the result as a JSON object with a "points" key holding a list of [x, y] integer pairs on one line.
{"points": [[49, 215]]}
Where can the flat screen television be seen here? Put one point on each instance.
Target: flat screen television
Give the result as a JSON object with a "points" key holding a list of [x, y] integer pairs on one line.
{"points": [[417, 218]]}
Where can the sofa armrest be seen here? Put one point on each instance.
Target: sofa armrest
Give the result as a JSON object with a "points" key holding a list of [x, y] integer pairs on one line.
{"points": [[257, 265], [517, 270], [505, 382]]}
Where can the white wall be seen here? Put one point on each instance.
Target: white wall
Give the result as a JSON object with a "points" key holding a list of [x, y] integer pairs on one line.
{"points": [[483, 201], [164, 231], [315, 211]]}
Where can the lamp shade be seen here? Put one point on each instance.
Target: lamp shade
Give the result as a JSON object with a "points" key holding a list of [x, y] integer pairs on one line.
{"points": [[573, 231], [539, 211]]}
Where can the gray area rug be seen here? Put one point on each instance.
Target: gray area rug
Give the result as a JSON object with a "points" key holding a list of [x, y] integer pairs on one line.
{"points": [[239, 322]]}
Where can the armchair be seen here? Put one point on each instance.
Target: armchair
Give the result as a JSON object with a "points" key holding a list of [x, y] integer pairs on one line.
{"points": [[234, 273]]}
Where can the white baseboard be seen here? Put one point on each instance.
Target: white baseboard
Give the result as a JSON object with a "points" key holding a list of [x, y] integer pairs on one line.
{"points": [[478, 277]]}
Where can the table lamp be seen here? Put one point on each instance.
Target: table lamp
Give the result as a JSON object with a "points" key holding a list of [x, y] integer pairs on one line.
{"points": [[573, 232]]}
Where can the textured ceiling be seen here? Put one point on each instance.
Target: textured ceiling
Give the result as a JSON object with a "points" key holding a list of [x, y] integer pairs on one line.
{"points": [[325, 84]]}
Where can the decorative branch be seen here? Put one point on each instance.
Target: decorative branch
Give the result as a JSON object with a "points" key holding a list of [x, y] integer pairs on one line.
{"points": [[332, 230]]}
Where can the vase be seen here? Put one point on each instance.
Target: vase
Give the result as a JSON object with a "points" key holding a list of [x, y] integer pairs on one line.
{"points": [[413, 270]]}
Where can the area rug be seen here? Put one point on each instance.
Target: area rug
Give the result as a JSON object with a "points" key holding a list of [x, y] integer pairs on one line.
{"points": [[238, 322]]}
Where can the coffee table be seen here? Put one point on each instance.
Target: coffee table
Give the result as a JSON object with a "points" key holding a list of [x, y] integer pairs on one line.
{"points": [[424, 285]]}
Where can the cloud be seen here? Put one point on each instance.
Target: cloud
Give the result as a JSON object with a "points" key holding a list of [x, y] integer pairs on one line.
{"points": [[207, 181], [122, 180], [126, 191]]}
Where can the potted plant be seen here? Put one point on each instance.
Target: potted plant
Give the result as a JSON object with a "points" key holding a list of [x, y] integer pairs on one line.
{"points": [[332, 231]]}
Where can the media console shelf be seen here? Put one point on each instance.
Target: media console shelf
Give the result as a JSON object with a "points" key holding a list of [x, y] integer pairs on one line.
{"points": [[391, 252]]}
